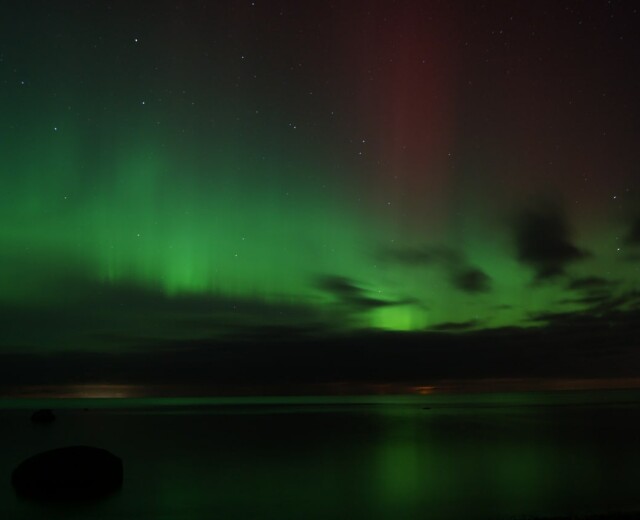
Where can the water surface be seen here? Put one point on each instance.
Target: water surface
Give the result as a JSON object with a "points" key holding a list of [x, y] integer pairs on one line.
{"points": [[496, 456]]}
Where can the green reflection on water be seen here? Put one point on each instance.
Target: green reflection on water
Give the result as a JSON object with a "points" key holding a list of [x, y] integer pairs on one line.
{"points": [[400, 470], [501, 458]]}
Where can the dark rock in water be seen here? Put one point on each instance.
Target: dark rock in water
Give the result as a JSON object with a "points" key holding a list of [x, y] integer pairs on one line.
{"points": [[72, 473], [43, 416]]}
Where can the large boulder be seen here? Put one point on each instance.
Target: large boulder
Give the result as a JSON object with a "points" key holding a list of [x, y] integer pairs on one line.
{"points": [[71, 473], [43, 416]]}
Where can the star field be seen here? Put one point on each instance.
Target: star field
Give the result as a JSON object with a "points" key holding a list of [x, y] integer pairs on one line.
{"points": [[193, 171]]}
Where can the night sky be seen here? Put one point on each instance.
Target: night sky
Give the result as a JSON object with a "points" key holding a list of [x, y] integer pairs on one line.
{"points": [[283, 195]]}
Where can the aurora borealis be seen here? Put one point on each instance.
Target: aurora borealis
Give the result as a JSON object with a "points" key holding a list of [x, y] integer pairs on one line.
{"points": [[327, 175]]}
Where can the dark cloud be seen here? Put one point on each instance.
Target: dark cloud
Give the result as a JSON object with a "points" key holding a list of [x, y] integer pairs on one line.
{"points": [[152, 343], [456, 326], [629, 300], [543, 243], [460, 274], [589, 300], [471, 280], [598, 294], [255, 333], [582, 344], [600, 341], [598, 305], [590, 283], [592, 292], [348, 292], [106, 315]]}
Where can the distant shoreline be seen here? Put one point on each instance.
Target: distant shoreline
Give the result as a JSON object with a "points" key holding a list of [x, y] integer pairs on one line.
{"points": [[451, 387], [617, 397]]}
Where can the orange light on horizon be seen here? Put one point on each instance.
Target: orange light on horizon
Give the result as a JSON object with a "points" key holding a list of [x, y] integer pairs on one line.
{"points": [[423, 390], [80, 391]]}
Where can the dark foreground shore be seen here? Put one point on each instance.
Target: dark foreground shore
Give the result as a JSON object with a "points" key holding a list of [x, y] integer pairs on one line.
{"points": [[506, 457], [611, 516]]}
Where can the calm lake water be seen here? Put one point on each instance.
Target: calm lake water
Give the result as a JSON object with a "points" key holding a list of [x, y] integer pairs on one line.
{"points": [[440, 457]]}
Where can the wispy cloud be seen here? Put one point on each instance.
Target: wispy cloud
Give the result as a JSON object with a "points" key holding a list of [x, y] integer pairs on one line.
{"points": [[460, 273]]}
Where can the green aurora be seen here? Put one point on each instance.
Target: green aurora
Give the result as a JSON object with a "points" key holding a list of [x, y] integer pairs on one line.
{"points": [[223, 223], [263, 180]]}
